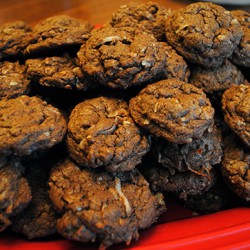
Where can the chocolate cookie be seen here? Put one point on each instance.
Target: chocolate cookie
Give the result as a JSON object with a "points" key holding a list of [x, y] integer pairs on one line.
{"points": [[102, 133], [148, 17], [122, 57], [13, 80], [39, 218], [14, 38], [15, 192], [59, 72], [182, 185], [29, 124], [104, 207], [241, 54], [172, 109], [189, 157], [203, 33], [57, 33], [214, 81], [236, 108], [236, 167]]}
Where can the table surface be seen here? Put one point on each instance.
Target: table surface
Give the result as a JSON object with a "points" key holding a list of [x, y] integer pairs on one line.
{"points": [[95, 11]]}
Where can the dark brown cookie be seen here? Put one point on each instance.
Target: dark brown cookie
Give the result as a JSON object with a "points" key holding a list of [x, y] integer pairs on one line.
{"points": [[39, 218], [189, 157], [236, 167], [14, 38], [29, 124], [148, 17], [15, 192], [59, 72], [172, 109], [236, 108], [57, 32], [122, 57], [181, 185], [214, 81], [241, 54], [203, 33], [99, 206], [102, 133], [13, 80]]}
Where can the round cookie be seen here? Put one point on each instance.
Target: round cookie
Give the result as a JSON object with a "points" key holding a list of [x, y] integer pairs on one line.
{"points": [[29, 124], [60, 72], [241, 54], [100, 206], [15, 192], [172, 109], [57, 33], [102, 133], [236, 167], [14, 38], [13, 80], [122, 57], [189, 157], [236, 109], [214, 81], [203, 33], [148, 17]]}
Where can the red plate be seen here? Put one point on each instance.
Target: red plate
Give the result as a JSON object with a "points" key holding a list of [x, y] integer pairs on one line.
{"points": [[178, 228]]}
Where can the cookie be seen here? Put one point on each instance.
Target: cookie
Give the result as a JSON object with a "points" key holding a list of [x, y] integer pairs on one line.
{"points": [[102, 133], [29, 124], [122, 57], [39, 218], [172, 109], [60, 72], [58, 33], [148, 17], [13, 80], [14, 38], [236, 108], [100, 206], [241, 54], [203, 33], [15, 192], [214, 81], [180, 184], [235, 166], [189, 157]]}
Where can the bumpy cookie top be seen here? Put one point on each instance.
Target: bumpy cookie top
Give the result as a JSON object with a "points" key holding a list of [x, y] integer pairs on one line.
{"points": [[58, 31], [102, 133], [59, 72], [13, 80], [172, 109], [148, 17], [236, 108], [204, 33], [122, 57], [97, 205], [29, 124], [14, 38]]}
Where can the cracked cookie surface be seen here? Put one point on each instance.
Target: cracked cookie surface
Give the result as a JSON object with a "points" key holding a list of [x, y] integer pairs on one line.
{"points": [[102, 133], [100, 206], [29, 124], [203, 33], [172, 109]]}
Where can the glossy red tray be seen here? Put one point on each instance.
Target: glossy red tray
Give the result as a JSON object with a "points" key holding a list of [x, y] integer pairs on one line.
{"points": [[178, 228]]}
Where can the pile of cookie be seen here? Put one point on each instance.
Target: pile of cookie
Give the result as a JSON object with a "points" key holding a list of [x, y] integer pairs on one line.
{"points": [[99, 126]]}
